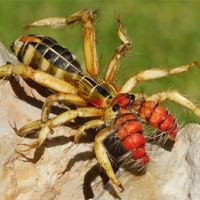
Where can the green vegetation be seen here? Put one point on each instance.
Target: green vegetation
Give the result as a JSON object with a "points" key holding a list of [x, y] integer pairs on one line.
{"points": [[163, 32]]}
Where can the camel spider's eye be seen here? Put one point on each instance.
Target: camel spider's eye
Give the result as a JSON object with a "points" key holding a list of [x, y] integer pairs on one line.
{"points": [[116, 107], [132, 97]]}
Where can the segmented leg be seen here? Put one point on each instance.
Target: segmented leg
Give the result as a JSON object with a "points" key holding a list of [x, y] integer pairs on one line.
{"points": [[56, 121], [119, 53], [86, 126], [39, 77], [32, 126], [102, 157], [62, 98], [177, 97], [154, 74], [86, 17]]}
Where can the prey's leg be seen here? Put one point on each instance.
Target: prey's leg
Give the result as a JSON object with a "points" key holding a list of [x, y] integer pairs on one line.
{"points": [[57, 121], [39, 77], [86, 17], [102, 156], [86, 126], [32, 126], [61, 98]]}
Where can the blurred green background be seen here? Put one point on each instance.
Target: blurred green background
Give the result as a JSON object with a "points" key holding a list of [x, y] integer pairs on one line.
{"points": [[164, 33]]}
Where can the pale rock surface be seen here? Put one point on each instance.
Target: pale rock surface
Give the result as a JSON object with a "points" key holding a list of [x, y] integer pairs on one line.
{"points": [[171, 174]]}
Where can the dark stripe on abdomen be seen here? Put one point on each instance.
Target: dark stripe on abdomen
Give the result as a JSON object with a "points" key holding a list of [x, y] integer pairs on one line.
{"points": [[90, 81], [22, 51], [100, 90], [48, 41]]}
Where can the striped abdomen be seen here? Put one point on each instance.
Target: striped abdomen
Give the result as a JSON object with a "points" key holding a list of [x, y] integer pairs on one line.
{"points": [[44, 53], [156, 116]]}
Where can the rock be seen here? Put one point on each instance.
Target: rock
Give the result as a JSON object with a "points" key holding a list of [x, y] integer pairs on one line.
{"points": [[5, 56], [170, 175]]}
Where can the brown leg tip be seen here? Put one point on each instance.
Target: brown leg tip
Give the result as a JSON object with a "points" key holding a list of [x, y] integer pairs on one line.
{"points": [[121, 187]]}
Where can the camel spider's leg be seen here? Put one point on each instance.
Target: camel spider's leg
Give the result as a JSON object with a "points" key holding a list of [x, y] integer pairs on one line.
{"points": [[102, 157], [87, 125], [39, 77], [176, 97], [119, 53], [86, 17], [56, 121], [22, 132], [60, 97], [155, 73]]}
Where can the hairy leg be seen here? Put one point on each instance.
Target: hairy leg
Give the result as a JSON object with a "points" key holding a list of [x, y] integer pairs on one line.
{"points": [[119, 53], [39, 77], [154, 73], [176, 97]]}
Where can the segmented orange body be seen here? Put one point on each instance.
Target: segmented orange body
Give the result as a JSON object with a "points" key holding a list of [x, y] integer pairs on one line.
{"points": [[156, 116], [130, 131], [129, 128]]}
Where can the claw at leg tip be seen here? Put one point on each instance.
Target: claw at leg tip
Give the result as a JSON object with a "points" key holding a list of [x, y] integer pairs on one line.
{"points": [[29, 146]]}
